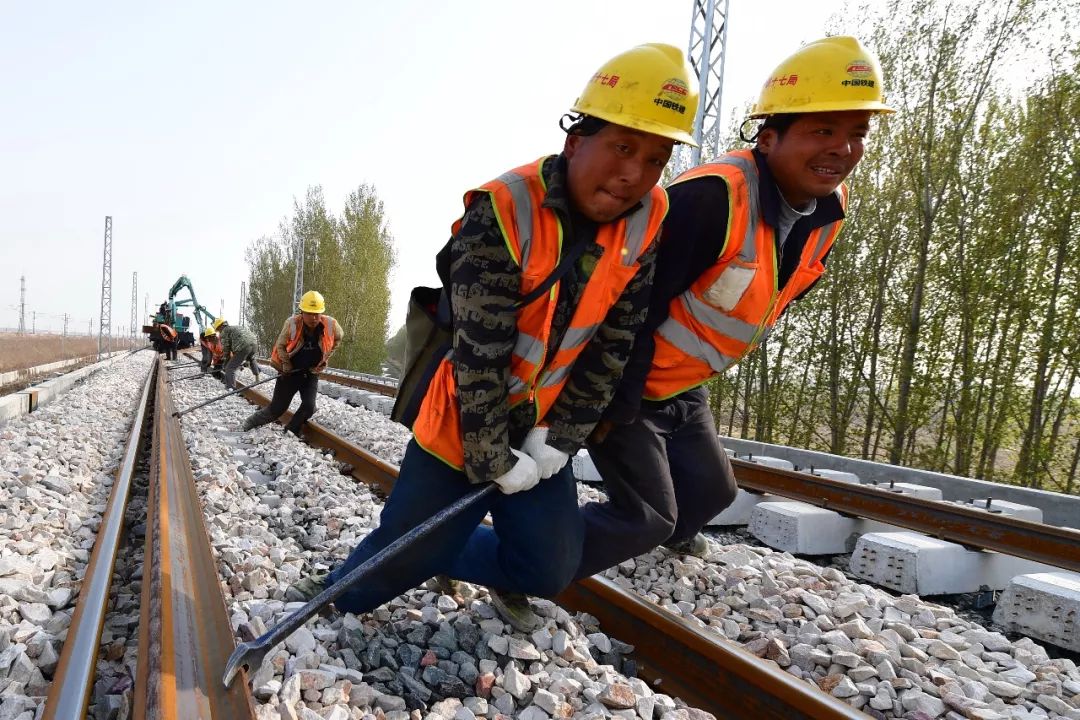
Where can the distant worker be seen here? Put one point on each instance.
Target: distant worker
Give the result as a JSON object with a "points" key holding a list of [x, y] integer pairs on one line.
{"points": [[302, 351], [238, 347], [213, 355], [547, 277], [170, 339], [747, 235]]}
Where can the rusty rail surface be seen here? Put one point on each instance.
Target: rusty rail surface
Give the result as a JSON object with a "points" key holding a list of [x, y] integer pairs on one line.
{"points": [[1043, 543], [703, 669], [184, 633], [69, 693]]}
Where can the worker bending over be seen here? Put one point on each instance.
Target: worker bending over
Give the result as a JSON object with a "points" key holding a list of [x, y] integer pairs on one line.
{"points": [[302, 350], [213, 356], [532, 369], [238, 347], [747, 235]]}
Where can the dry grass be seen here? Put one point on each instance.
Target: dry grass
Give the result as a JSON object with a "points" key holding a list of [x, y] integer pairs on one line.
{"points": [[24, 351]]}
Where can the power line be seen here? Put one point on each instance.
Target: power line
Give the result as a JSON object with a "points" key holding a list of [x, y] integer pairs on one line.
{"points": [[22, 304], [105, 322]]}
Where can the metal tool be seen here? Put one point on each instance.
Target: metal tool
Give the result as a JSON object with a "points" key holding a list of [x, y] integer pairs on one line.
{"points": [[191, 377], [185, 411], [249, 655], [182, 365]]}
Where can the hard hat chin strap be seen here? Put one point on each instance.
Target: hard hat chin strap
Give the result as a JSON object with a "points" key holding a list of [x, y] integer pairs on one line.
{"points": [[578, 124], [753, 137]]}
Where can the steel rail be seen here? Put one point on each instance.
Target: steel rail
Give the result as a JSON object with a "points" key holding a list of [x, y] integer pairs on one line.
{"points": [[363, 465], [1042, 543], [700, 668], [73, 681], [342, 377], [184, 633], [705, 670]]}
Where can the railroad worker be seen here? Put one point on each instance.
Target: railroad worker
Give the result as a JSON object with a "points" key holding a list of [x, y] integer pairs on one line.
{"points": [[303, 348], [238, 347], [170, 340], [554, 359], [212, 353], [746, 236]]}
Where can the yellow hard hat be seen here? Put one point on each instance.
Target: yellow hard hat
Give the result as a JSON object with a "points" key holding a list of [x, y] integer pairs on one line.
{"points": [[218, 323], [312, 302], [209, 332], [649, 88], [827, 75]]}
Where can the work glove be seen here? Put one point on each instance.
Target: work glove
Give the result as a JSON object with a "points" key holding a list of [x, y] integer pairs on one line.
{"points": [[548, 459], [523, 476]]}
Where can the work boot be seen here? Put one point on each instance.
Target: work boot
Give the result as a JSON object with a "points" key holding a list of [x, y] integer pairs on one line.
{"points": [[249, 424], [514, 609], [307, 588], [460, 591], [697, 546]]}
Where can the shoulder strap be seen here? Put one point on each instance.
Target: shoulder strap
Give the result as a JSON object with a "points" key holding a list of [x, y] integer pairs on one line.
{"points": [[561, 269], [444, 318]]}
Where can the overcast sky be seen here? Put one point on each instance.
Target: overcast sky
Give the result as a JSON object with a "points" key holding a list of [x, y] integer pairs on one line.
{"points": [[194, 125]]}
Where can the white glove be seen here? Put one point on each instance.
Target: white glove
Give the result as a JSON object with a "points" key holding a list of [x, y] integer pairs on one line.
{"points": [[548, 459], [523, 476]]}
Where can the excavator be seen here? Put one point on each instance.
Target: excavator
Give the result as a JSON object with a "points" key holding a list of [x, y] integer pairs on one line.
{"points": [[167, 315]]}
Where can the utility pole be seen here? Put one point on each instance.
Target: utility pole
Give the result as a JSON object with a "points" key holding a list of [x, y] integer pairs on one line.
{"points": [[221, 308], [242, 320], [134, 301], [22, 304], [63, 338], [298, 285], [33, 327], [90, 328], [105, 322], [65, 324], [707, 52]]}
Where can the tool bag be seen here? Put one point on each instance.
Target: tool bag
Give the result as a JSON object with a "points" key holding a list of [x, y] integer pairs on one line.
{"points": [[429, 337]]}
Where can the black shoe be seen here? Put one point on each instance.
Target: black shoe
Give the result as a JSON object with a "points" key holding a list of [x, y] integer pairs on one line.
{"points": [[697, 546], [514, 609]]}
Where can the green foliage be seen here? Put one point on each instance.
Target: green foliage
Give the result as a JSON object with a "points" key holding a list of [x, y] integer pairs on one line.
{"points": [[349, 259]]}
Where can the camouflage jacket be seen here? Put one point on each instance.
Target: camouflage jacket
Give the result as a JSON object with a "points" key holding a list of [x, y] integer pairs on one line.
{"points": [[236, 340], [484, 284]]}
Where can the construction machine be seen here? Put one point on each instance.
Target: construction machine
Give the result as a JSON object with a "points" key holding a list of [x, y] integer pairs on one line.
{"points": [[168, 314]]}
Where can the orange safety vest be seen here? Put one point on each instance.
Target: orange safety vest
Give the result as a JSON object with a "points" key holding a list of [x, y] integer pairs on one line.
{"points": [[295, 335], [533, 235], [214, 348], [732, 307]]}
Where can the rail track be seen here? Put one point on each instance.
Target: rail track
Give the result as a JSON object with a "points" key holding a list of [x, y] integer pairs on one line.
{"points": [[700, 668], [1021, 538], [185, 636], [184, 633]]}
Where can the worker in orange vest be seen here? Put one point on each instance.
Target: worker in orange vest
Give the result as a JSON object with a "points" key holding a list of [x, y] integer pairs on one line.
{"points": [[213, 355], [170, 339], [302, 350], [532, 364], [747, 234]]}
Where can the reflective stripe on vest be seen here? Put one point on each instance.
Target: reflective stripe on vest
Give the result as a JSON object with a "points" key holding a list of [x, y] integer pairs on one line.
{"points": [[732, 307], [534, 235]]}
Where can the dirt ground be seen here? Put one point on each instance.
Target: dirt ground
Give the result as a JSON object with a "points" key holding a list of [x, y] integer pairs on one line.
{"points": [[24, 351]]}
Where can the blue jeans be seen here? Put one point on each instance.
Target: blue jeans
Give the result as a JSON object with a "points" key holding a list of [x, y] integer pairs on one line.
{"points": [[533, 545]]}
